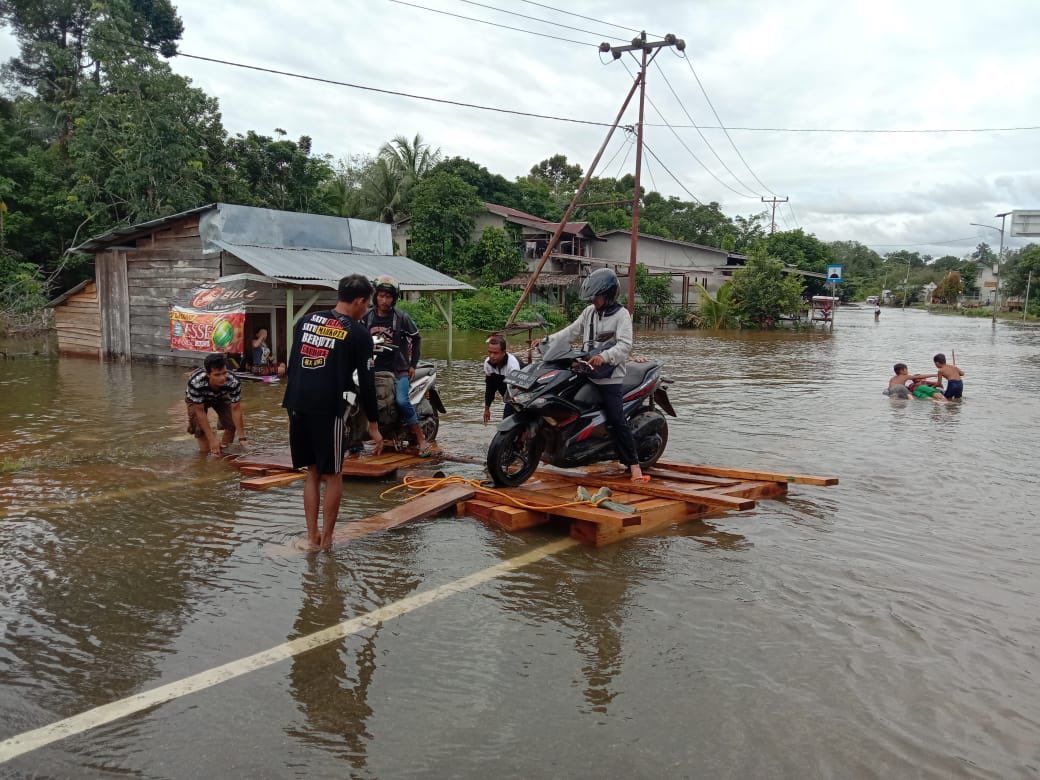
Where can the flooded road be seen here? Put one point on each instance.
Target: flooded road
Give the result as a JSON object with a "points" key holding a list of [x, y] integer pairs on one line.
{"points": [[886, 627]]}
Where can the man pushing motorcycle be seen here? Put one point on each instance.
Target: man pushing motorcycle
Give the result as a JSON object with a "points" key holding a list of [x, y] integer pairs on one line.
{"points": [[398, 329], [605, 327]]}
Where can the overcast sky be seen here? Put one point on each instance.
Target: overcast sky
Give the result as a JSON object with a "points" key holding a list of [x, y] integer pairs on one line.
{"points": [[875, 64]]}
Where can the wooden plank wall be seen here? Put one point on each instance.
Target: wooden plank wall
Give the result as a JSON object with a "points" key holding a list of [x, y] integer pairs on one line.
{"points": [[78, 321], [165, 265], [114, 302]]}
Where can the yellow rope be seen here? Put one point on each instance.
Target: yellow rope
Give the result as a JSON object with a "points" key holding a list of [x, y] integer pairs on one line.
{"points": [[425, 485]]}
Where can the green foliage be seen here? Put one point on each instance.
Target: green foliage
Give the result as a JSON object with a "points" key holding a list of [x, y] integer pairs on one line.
{"points": [[274, 172], [424, 313], [496, 257], [654, 296], [801, 250], [763, 292], [1016, 271], [561, 177], [444, 213], [717, 313], [22, 289]]}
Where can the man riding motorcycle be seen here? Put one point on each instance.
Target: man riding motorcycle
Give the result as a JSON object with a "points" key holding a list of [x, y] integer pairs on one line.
{"points": [[398, 329], [605, 326]]}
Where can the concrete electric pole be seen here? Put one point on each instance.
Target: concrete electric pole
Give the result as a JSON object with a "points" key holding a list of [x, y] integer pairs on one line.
{"points": [[774, 201]]}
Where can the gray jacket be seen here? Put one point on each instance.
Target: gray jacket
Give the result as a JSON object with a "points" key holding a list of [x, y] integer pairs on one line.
{"points": [[616, 327]]}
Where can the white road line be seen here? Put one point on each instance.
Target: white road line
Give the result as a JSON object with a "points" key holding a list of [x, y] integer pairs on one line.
{"points": [[20, 744]]}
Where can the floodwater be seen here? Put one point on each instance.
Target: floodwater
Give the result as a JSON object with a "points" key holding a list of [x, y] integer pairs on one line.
{"points": [[886, 627]]}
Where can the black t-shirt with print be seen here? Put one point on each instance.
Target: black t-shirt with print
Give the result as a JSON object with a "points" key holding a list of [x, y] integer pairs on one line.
{"points": [[328, 347], [405, 336]]}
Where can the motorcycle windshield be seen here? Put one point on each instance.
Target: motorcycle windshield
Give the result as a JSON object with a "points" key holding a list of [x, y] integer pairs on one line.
{"points": [[560, 349]]}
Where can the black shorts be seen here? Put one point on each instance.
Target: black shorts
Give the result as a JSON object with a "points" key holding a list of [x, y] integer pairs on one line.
{"points": [[316, 440], [954, 388]]}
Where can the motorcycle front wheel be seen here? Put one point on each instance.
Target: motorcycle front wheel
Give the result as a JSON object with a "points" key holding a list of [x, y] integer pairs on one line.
{"points": [[513, 456]]}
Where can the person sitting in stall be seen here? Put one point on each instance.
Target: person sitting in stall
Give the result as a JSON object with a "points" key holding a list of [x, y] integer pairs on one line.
{"points": [[497, 365], [214, 387], [263, 361]]}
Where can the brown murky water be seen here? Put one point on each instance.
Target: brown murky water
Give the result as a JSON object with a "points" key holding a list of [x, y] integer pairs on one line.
{"points": [[885, 627]]}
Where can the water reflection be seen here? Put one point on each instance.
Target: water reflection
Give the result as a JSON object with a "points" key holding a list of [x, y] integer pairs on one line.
{"points": [[332, 683]]}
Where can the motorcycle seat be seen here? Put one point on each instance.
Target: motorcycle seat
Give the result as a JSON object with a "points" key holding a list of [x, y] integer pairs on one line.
{"points": [[423, 369], [635, 375]]}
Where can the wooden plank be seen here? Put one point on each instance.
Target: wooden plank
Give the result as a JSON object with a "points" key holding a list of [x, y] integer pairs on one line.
{"points": [[663, 489], [701, 479], [767, 476], [272, 480], [513, 518], [110, 267], [255, 471], [604, 534], [754, 489], [431, 503], [276, 460]]}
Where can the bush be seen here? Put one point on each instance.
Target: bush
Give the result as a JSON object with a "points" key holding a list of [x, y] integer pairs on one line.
{"points": [[22, 289], [486, 309]]}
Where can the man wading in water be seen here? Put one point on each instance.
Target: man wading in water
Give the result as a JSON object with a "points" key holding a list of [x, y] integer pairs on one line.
{"points": [[214, 387], [328, 347]]}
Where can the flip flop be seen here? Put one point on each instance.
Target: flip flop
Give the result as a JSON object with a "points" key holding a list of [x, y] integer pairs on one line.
{"points": [[426, 451], [641, 479]]}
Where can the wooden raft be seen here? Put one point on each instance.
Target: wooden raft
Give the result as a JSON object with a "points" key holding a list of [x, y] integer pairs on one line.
{"points": [[678, 493], [263, 472]]}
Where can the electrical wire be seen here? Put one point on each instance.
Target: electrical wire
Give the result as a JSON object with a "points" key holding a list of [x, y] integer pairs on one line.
{"points": [[573, 120], [718, 119], [396, 93], [537, 19], [492, 24], [704, 138], [926, 243], [684, 145], [650, 173], [793, 215], [587, 18], [669, 172]]}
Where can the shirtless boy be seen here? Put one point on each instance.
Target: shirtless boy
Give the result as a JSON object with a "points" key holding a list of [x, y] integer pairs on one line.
{"points": [[952, 375]]}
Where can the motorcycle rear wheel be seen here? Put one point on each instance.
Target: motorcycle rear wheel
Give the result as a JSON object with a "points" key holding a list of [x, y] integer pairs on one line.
{"points": [[513, 456], [660, 440]]}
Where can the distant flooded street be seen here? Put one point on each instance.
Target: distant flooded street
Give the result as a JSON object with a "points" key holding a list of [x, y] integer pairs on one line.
{"points": [[885, 627]]}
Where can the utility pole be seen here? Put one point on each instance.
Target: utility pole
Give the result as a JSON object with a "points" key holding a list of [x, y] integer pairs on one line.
{"points": [[646, 47], [774, 200], [1000, 256]]}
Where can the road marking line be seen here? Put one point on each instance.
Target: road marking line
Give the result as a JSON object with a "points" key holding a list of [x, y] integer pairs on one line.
{"points": [[15, 746]]}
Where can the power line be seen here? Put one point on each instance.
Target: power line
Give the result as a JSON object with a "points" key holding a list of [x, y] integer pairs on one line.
{"points": [[701, 134], [930, 243], [669, 172], [553, 117], [793, 215], [492, 24], [683, 143], [396, 93], [650, 173], [587, 18], [537, 19], [719, 120], [629, 144]]}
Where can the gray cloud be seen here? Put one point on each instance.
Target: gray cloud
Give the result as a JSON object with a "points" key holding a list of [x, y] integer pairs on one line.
{"points": [[808, 63]]}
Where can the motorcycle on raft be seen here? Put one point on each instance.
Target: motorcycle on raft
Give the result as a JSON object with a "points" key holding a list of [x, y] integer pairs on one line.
{"points": [[422, 394], [558, 417]]}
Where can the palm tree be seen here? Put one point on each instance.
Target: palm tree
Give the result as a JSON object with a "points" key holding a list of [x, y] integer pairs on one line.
{"points": [[717, 313], [409, 161], [381, 192]]}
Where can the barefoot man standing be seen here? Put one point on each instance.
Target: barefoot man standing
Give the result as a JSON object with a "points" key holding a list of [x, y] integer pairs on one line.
{"points": [[328, 346]]}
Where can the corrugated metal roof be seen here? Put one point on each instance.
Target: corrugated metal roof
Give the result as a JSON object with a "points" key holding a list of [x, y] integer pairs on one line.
{"points": [[544, 280], [325, 268]]}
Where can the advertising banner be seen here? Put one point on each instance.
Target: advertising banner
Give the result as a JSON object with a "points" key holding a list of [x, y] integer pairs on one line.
{"points": [[203, 331], [212, 316]]}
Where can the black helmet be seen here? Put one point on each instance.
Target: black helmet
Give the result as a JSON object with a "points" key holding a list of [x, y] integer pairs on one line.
{"points": [[602, 281]]}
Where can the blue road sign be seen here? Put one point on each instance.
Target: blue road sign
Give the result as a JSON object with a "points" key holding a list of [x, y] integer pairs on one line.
{"points": [[834, 274]]}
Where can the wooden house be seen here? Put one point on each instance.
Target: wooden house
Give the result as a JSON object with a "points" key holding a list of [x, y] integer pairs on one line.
{"points": [[292, 262], [77, 319]]}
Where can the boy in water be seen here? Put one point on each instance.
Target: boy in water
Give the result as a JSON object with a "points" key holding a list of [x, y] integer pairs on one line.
{"points": [[917, 387], [952, 375]]}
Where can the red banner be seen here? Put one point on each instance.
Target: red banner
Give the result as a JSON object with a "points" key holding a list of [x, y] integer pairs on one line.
{"points": [[198, 331]]}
